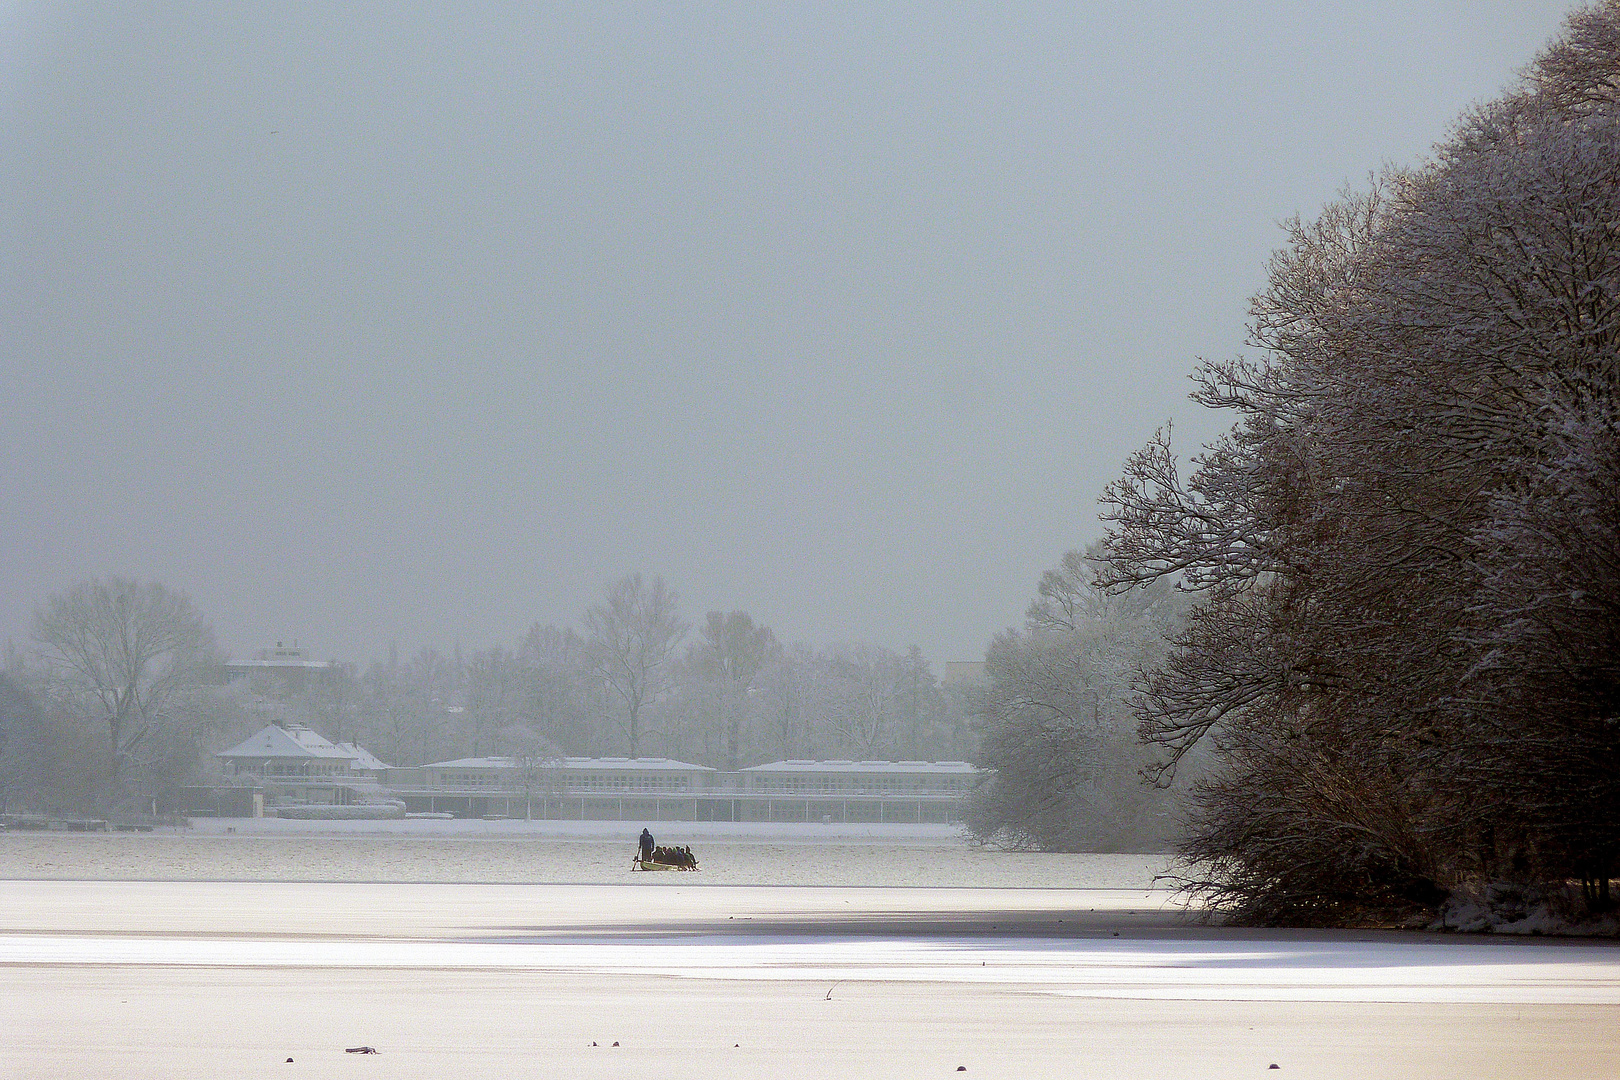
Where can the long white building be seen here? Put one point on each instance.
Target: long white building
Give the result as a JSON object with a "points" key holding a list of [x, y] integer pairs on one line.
{"points": [[659, 789], [295, 766]]}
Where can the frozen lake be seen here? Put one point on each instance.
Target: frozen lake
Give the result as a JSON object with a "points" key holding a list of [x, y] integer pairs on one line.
{"points": [[558, 852], [694, 976]]}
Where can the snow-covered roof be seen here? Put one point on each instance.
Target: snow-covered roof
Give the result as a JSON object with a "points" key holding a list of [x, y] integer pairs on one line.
{"points": [[291, 741], [363, 758], [641, 763], [802, 766]]}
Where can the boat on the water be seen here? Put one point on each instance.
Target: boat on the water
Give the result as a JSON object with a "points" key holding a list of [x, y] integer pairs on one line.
{"points": [[649, 864]]}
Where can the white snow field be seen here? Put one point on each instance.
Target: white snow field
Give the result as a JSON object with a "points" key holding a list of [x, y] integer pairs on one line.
{"points": [[231, 978]]}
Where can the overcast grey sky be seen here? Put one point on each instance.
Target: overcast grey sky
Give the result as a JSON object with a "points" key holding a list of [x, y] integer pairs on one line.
{"points": [[364, 324]]}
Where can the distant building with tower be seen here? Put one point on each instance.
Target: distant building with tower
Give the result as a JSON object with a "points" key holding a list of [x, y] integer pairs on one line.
{"points": [[284, 670]]}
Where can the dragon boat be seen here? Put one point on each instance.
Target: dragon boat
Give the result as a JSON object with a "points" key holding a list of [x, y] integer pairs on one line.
{"points": [[664, 859]]}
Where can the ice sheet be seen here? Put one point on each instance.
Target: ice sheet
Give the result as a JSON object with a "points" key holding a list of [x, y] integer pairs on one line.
{"points": [[1179, 970], [1101, 943], [193, 980]]}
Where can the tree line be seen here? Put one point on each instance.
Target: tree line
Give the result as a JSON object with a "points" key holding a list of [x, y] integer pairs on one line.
{"points": [[123, 697]]}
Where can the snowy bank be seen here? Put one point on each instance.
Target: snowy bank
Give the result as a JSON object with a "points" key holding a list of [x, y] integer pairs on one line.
{"points": [[1505, 907]]}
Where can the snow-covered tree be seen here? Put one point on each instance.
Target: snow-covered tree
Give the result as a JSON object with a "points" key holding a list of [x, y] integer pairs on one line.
{"points": [[1408, 681]]}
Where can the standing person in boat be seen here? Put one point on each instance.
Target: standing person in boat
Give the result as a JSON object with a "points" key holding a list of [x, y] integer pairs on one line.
{"points": [[646, 846]]}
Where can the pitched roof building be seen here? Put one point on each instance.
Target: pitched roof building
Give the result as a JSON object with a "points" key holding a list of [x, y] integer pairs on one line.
{"points": [[293, 750]]}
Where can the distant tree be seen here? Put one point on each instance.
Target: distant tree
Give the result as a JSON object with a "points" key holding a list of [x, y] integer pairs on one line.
{"points": [[128, 654], [496, 685], [858, 698], [328, 703], [785, 688], [919, 695], [631, 636], [538, 762], [557, 700], [731, 651], [22, 737], [403, 712], [1056, 726]]}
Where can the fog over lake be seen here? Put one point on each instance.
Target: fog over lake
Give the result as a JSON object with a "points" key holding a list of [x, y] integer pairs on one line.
{"points": [[365, 325]]}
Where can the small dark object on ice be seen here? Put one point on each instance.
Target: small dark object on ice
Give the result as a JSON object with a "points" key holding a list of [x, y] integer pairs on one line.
{"points": [[289, 1061], [1273, 1065], [593, 1044], [360, 1050], [615, 1044], [961, 1068]]}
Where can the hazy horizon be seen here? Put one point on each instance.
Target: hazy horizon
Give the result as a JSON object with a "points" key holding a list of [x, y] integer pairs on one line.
{"points": [[364, 326]]}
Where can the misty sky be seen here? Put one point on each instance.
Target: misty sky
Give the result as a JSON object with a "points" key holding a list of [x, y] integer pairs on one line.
{"points": [[364, 325]]}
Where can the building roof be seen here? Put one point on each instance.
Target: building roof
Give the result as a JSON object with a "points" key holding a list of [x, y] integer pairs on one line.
{"points": [[643, 763], [363, 758], [291, 741], [801, 766]]}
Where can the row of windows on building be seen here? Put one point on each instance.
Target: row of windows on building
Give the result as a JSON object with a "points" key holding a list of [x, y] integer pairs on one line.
{"points": [[610, 783], [502, 780], [839, 785], [321, 767], [586, 783]]}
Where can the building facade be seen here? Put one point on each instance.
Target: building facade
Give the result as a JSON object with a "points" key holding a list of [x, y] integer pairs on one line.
{"points": [[296, 767], [659, 789], [284, 670]]}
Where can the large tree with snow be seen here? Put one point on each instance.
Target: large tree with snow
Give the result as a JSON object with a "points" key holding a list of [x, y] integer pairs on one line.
{"points": [[1405, 637]]}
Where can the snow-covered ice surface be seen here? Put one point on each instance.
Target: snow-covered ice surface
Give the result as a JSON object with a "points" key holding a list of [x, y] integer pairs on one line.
{"points": [[1174, 970], [767, 855], [207, 978], [1108, 943]]}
